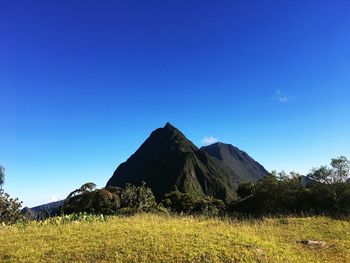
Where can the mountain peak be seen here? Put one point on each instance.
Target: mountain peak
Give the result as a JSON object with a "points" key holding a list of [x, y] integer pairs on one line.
{"points": [[167, 134], [239, 162], [168, 125], [217, 144], [168, 161]]}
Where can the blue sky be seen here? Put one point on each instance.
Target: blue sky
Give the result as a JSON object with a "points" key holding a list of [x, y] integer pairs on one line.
{"points": [[83, 83]]}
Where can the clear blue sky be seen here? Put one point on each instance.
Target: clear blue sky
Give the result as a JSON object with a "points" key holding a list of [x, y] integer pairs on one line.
{"points": [[83, 83]]}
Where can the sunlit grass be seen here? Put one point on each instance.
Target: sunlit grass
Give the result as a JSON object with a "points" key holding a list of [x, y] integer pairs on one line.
{"points": [[151, 238]]}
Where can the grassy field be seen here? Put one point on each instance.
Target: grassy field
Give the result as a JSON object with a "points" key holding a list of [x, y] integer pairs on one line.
{"points": [[150, 238]]}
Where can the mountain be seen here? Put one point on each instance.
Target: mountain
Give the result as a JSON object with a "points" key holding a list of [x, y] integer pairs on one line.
{"points": [[49, 207], [236, 162], [43, 211], [168, 161]]}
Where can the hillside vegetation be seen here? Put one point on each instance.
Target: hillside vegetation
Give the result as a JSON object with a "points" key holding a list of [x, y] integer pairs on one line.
{"points": [[152, 238]]}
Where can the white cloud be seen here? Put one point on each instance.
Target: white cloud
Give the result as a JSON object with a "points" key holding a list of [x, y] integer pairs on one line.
{"points": [[281, 97], [53, 198], [207, 140]]}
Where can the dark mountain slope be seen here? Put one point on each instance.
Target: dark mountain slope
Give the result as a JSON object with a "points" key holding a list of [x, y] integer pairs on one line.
{"points": [[48, 207], [43, 211], [236, 161], [168, 161]]}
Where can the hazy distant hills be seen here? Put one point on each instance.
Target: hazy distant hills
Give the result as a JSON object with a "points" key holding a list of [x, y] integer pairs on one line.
{"points": [[168, 161], [49, 209], [237, 162], [52, 206]]}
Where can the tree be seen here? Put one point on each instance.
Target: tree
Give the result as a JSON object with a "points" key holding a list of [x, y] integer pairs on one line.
{"points": [[245, 190], [186, 203], [179, 202], [9, 208], [327, 192], [330, 191], [88, 187], [338, 172], [104, 202], [90, 200], [85, 188], [208, 206], [341, 166], [277, 193], [322, 174], [110, 200], [138, 197], [2, 176]]}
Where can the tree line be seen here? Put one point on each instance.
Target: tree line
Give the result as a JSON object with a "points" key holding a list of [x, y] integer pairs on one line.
{"points": [[325, 190]]}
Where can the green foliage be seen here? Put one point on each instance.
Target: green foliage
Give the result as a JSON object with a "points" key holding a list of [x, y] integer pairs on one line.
{"points": [[140, 198], [322, 174], [84, 189], [179, 202], [9, 209], [333, 199], [2, 175], [325, 192], [208, 206], [341, 168], [245, 190], [110, 200], [87, 199], [338, 172], [184, 203]]}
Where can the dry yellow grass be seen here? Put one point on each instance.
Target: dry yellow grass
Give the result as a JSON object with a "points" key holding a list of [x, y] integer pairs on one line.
{"points": [[151, 238]]}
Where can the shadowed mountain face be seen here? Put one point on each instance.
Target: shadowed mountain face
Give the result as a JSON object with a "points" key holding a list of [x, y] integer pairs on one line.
{"points": [[236, 162], [168, 161], [43, 211]]}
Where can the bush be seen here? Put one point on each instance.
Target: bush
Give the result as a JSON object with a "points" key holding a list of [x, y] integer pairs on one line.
{"points": [[9, 209], [110, 200], [179, 202], [97, 202], [208, 206], [140, 198], [184, 203], [276, 195]]}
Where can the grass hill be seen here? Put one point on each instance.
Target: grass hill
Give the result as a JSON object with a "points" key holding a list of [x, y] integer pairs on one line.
{"points": [[151, 238]]}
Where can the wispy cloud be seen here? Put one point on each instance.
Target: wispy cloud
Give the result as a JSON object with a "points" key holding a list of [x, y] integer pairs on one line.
{"points": [[280, 96], [207, 140]]}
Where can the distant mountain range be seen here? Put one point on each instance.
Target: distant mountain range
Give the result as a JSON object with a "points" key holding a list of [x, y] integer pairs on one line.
{"points": [[168, 161], [49, 209]]}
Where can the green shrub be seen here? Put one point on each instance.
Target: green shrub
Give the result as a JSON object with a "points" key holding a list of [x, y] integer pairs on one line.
{"points": [[87, 199], [110, 200], [184, 203], [138, 197], [9, 209]]}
